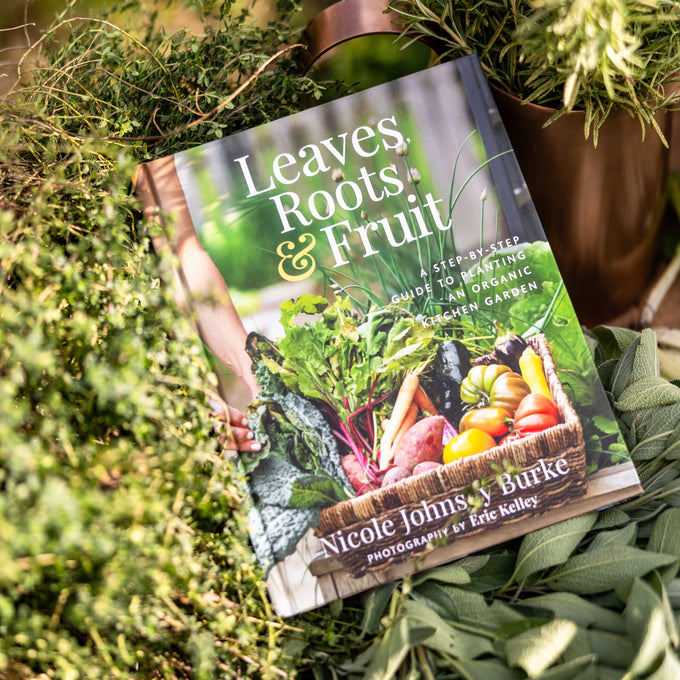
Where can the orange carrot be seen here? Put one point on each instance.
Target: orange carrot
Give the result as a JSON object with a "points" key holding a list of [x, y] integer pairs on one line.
{"points": [[406, 424], [401, 405], [424, 402]]}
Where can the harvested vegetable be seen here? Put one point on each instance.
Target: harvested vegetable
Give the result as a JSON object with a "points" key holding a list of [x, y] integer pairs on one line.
{"points": [[426, 466], [452, 361], [535, 413], [492, 420], [467, 443], [406, 424], [424, 402], [508, 391], [348, 364], [423, 442], [401, 407], [493, 385], [451, 365], [395, 474], [297, 472], [477, 384], [531, 368], [509, 348], [355, 471]]}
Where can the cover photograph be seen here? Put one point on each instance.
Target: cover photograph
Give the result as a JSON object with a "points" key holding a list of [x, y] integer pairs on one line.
{"points": [[380, 301]]}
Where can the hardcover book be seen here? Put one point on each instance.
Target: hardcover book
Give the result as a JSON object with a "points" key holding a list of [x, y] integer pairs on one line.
{"points": [[382, 304]]}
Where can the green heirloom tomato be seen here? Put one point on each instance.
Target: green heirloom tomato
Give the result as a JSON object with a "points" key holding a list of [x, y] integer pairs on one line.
{"points": [[476, 386]]}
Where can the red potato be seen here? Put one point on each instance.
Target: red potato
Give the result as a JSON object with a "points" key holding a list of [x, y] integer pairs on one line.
{"points": [[355, 473], [395, 474], [422, 442], [426, 466]]}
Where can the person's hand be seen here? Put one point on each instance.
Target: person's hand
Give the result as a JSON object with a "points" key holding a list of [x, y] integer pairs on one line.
{"points": [[235, 435]]}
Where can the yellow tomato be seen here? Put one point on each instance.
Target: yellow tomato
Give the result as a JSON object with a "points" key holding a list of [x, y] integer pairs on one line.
{"points": [[467, 443]]}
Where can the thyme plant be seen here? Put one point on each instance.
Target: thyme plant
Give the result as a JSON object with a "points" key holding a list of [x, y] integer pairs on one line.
{"points": [[123, 545]]}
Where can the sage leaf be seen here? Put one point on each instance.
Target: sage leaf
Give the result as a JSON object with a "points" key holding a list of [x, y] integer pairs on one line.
{"points": [[656, 581], [394, 647], [663, 481], [623, 536], [646, 356], [669, 669], [651, 447], [446, 638], [665, 536], [538, 648], [551, 546], [650, 392], [578, 655], [473, 563], [437, 598], [375, 603], [605, 569], [611, 517], [622, 374], [607, 673], [646, 623], [581, 668], [579, 610], [449, 573], [613, 340], [486, 669], [672, 451], [649, 422], [472, 609], [493, 574], [671, 494], [612, 649]]}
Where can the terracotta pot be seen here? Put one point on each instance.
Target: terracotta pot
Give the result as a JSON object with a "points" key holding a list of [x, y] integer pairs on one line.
{"points": [[600, 207]]}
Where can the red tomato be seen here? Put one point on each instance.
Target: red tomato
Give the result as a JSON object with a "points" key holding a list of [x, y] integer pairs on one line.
{"points": [[536, 403], [535, 413], [512, 437]]}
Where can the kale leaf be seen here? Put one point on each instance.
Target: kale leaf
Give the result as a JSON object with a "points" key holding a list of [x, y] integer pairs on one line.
{"points": [[296, 473]]}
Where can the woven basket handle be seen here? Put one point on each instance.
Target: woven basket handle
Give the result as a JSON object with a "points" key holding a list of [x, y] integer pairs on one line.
{"points": [[344, 21]]}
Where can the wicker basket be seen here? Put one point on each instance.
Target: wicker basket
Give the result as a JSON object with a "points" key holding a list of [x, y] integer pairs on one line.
{"points": [[557, 448]]}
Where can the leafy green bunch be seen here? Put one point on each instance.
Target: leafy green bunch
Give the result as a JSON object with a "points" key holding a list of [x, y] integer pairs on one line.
{"points": [[602, 55], [114, 502], [596, 57]]}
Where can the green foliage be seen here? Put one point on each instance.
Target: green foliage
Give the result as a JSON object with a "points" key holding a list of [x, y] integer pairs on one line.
{"points": [[135, 83], [123, 547], [123, 544], [590, 56]]}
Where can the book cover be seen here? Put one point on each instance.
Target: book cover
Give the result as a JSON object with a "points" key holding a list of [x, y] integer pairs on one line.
{"points": [[381, 301]]}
